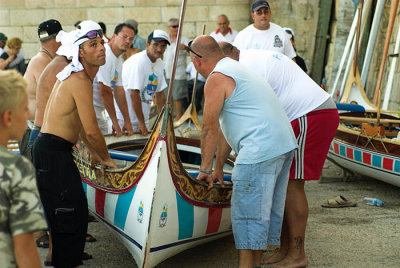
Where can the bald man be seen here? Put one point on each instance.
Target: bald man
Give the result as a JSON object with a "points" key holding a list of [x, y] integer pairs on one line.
{"points": [[314, 119], [224, 32], [242, 113]]}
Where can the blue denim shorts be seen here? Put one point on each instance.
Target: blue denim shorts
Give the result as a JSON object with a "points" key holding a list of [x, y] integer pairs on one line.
{"points": [[258, 202]]}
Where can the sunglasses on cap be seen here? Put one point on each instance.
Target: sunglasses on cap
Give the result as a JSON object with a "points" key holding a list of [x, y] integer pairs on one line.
{"points": [[91, 35], [191, 50]]}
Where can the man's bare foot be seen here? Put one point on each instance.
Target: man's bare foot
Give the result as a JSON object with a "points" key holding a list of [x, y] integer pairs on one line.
{"points": [[291, 262], [274, 258]]}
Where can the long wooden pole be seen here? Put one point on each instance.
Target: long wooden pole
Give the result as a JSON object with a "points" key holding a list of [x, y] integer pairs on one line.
{"points": [[360, 7], [393, 10], [195, 79], [178, 41]]}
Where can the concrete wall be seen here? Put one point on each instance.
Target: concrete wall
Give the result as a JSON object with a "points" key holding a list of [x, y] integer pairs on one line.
{"points": [[21, 17], [302, 17]]}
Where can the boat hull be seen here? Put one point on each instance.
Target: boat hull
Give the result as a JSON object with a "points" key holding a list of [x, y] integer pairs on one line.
{"points": [[369, 163], [374, 156], [155, 207]]}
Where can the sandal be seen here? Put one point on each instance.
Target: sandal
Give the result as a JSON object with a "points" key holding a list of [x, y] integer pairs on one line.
{"points": [[43, 241], [90, 238], [338, 202]]}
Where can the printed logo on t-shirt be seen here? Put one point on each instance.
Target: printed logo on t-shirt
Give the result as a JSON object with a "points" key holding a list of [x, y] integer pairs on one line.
{"points": [[277, 56], [150, 88], [115, 79], [277, 41]]}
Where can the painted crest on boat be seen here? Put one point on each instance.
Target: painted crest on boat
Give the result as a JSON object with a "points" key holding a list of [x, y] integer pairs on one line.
{"points": [[164, 216], [277, 41], [140, 213]]}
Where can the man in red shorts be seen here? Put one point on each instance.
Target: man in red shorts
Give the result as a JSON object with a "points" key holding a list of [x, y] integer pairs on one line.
{"points": [[314, 119]]}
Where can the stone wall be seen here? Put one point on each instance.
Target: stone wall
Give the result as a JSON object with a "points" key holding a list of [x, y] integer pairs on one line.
{"points": [[21, 17], [302, 17]]}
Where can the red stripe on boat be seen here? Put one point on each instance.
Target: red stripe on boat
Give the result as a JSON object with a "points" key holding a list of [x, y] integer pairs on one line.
{"points": [[387, 163], [366, 158], [349, 153], [99, 202], [214, 220], [336, 148]]}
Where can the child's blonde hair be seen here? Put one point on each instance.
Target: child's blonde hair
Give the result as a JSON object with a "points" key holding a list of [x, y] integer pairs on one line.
{"points": [[12, 90]]}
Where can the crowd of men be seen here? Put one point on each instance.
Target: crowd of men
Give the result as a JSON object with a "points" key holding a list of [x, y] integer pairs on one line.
{"points": [[280, 127]]}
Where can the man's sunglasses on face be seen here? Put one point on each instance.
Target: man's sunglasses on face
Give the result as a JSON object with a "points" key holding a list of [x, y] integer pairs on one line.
{"points": [[262, 11], [191, 50]]}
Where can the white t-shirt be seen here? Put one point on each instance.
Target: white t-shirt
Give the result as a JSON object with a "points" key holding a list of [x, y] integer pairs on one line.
{"points": [[275, 39], [139, 73], [109, 74], [169, 53], [229, 37], [298, 93]]}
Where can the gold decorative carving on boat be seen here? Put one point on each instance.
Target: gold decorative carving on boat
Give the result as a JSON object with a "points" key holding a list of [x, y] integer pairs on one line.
{"points": [[116, 179], [191, 188]]}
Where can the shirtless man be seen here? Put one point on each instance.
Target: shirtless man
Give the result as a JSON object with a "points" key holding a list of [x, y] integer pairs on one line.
{"points": [[47, 32], [69, 116]]}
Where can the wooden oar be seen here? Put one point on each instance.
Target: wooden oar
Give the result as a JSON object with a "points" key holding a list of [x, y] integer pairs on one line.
{"points": [[351, 86], [191, 112], [355, 119], [354, 77], [393, 10]]}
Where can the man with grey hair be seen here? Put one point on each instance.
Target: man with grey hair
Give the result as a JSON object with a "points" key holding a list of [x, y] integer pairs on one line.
{"points": [[179, 90], [138, 42], [224, 32], [47, 32]]}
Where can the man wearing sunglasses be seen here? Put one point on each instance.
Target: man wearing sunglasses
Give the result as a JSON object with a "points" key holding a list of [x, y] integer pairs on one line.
{"points": [[314, 118], [143, 80], [263, 34], [242, 113], [70, 116], [107, 84]]}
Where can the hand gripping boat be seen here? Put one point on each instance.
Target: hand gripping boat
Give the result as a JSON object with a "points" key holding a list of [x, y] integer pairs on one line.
{"points": [[154, 205]]}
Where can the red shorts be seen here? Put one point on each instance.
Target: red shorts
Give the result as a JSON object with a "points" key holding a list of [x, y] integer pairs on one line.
{"points": [[314, 133]]}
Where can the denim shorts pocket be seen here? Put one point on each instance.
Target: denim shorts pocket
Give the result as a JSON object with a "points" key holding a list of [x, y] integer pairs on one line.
{"points": [[66, 221], [247, 201]]}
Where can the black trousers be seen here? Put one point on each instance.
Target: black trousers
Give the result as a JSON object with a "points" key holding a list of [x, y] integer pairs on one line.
{"points": [[63, 198]]}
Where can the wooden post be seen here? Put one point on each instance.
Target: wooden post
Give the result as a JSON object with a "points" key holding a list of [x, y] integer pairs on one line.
{"points": [[317, 66]]}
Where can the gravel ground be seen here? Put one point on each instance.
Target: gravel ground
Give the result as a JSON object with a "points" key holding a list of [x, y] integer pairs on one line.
{"points": [[363, 236]]}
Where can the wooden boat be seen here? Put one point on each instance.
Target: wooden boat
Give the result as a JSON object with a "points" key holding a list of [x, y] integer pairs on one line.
{"points": [[153, 204], [373, 152]]}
